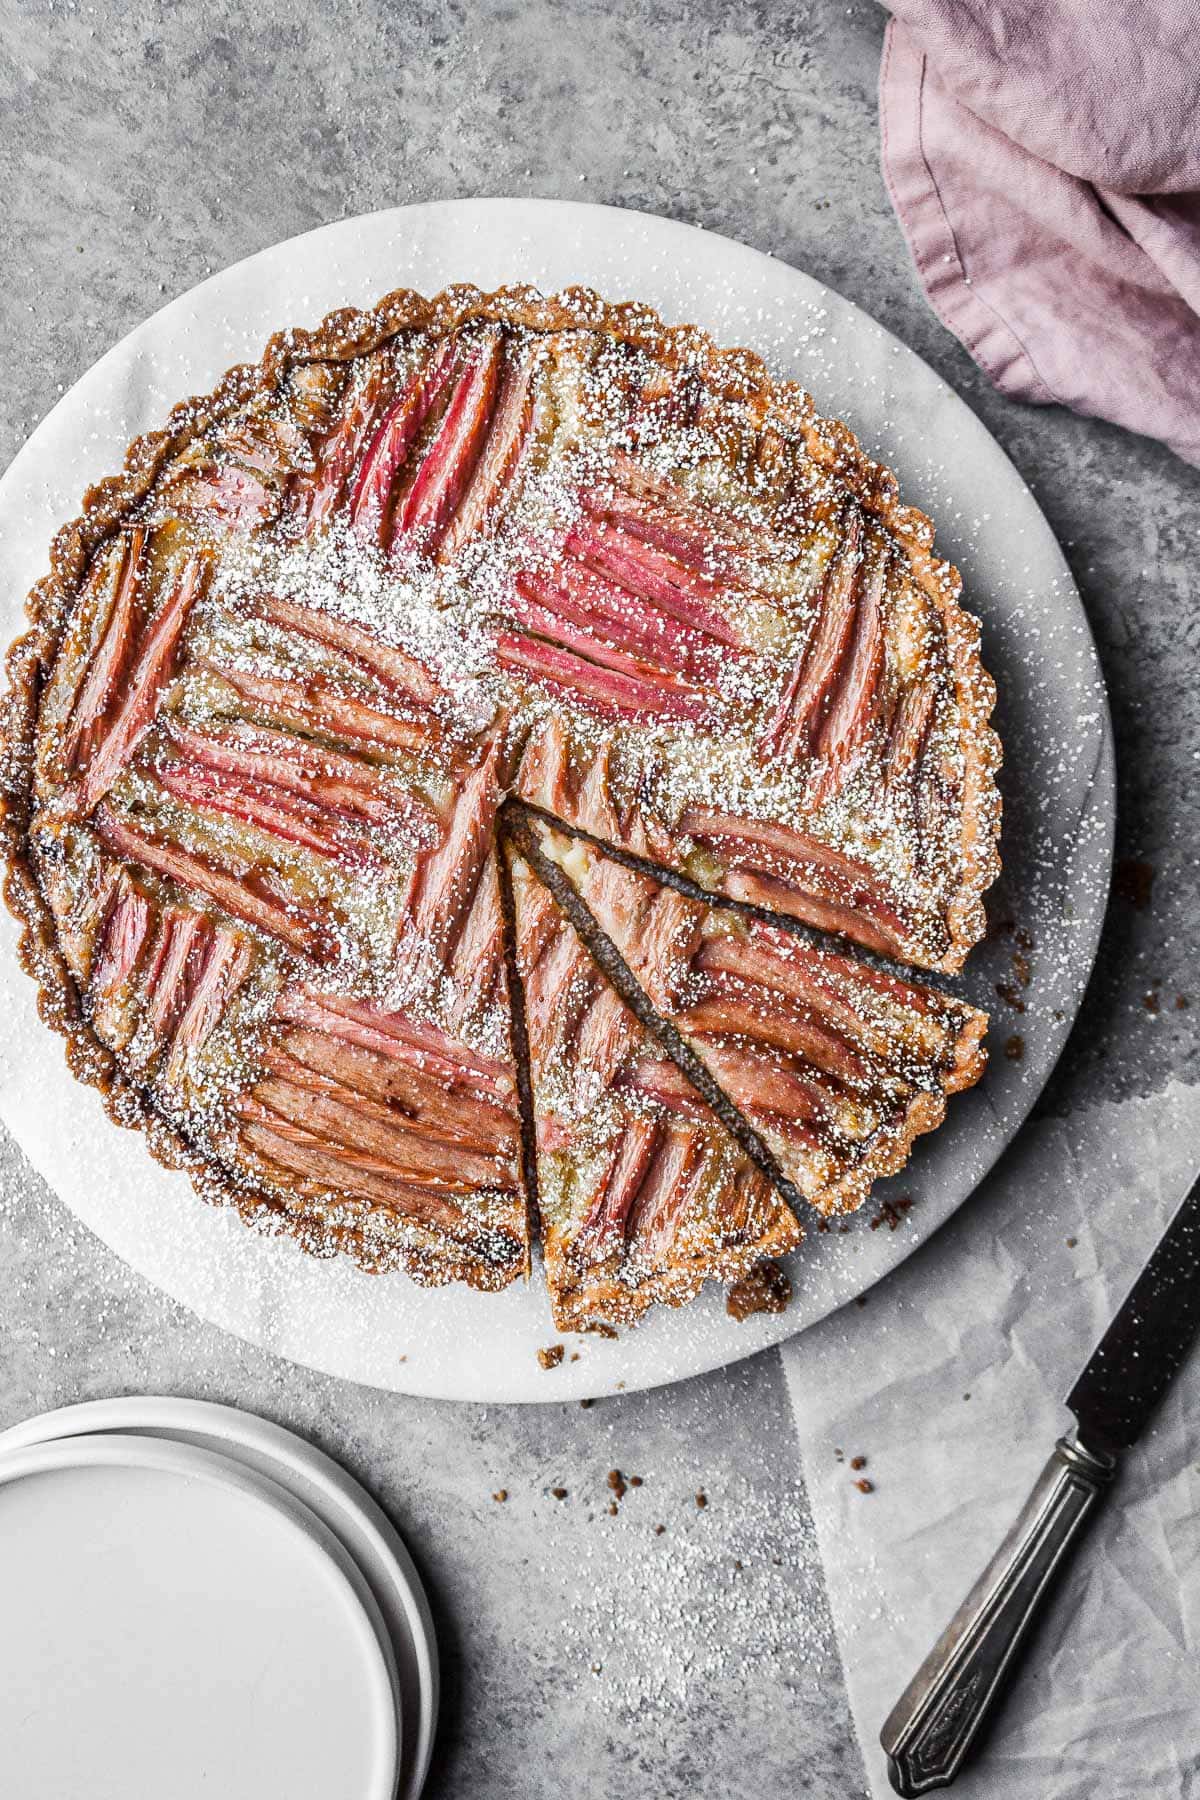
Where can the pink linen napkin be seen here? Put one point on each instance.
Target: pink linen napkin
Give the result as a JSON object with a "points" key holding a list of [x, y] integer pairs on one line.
{"points": [[1043, 157]]}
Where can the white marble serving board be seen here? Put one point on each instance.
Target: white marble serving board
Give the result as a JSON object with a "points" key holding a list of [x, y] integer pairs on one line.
{"points": [[1058, 783]]}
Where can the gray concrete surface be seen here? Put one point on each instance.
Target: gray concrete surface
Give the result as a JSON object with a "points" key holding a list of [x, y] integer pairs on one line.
{"points": [[142, 147]]}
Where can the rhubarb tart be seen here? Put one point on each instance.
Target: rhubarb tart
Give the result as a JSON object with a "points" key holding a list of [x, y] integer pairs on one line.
{"points": [[494, 771]]}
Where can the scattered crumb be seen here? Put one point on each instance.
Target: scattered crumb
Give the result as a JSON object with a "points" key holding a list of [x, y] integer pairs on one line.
{"points": [[765, 1289], [858, 1462], [1181, 1002], [1014, 1047], [1009, 994], [658, 1530], [864, 1486], [574, 1356], [585, 1403], [1150, 1002], [559, 1493], [701, 1500], [635, 1481], [1071, 1243], [551, 1356], [1133, 881], [892, 1212], [616, 1482], [501, 1494]]}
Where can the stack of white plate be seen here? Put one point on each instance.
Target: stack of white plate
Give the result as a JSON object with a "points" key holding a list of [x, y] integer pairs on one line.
{"points": [[194, 1602]]}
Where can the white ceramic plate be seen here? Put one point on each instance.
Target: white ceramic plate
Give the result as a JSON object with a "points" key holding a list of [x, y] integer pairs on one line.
{"points": [[327, 1490], [175, 1624], [1053, 718]]}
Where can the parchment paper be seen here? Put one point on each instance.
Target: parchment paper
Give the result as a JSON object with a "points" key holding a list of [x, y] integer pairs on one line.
{"points": [[1052, 716], [950, 1383]]}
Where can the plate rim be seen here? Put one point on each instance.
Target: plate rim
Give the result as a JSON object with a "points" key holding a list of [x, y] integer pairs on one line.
{"points": [[190, 1462], [163, 1414]]}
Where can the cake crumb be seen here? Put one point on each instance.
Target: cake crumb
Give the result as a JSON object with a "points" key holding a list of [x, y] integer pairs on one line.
{"points": [[864, 1486], [551, 1356], [501, 1494], [763, 1289], [1133, 881]]}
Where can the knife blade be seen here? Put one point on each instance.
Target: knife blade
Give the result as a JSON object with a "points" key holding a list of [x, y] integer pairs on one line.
{"points": [[931, 1731], [1132, 1366]]}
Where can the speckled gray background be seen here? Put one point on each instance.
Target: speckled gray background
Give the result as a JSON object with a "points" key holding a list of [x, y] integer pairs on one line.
{"points": [[141, 148]]}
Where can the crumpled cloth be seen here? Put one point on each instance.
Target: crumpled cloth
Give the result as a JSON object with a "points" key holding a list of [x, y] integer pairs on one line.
{"points": [[1043, 158]]}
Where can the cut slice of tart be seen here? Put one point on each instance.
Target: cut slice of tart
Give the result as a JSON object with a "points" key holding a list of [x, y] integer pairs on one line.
{"points": [[642, 1192], [837, 1063]]}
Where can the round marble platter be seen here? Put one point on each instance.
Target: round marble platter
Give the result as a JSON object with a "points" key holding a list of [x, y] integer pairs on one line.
{"points": [[1058, 786]]}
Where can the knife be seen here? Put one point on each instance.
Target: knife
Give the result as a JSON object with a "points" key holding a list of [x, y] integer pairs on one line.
{"points": [[932, 1729]]}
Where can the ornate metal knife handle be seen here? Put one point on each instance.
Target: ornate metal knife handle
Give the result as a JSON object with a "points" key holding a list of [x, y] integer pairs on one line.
{"points": [[929, 1732]]}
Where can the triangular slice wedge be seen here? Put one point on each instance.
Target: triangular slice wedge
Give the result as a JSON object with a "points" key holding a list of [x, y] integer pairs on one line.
{"points": [[642, 1192], [838, 1063]]}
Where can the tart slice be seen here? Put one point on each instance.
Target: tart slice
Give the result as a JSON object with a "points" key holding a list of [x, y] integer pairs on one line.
{"points": [[642, 1192], [838, 1064]]}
